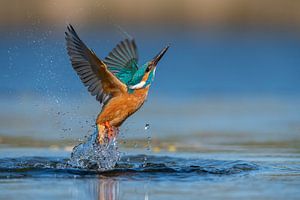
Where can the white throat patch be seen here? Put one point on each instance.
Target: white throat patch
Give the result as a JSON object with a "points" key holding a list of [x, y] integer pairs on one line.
{"points": [[137, 86]]}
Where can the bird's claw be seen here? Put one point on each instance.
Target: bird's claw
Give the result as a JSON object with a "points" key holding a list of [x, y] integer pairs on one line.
{"points": [[106, 132]]}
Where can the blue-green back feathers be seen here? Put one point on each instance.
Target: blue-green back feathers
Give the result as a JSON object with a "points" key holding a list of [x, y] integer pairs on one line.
{"points": [[138, 75], [122, 61]]}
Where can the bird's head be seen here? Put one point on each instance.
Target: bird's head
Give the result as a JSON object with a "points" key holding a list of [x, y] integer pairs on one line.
{"points": [[145, 74]]}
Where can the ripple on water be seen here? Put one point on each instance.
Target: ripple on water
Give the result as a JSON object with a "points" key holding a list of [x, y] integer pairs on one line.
{"points": [[127, 167]]}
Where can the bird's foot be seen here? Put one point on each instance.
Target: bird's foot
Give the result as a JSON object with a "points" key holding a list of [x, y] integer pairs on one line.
{"points": [[106, 132], [101, 133], [110, 131]]}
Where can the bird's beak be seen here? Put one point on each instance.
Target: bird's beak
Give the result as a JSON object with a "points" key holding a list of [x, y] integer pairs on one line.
{"points": [[157, 58]]}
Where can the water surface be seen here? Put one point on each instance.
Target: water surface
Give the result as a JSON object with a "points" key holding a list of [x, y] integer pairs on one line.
{"points": [[224, 115]]}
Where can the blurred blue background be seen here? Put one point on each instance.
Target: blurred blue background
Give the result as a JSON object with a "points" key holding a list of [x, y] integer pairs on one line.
{"points": [[232, 69], [223, 111]]}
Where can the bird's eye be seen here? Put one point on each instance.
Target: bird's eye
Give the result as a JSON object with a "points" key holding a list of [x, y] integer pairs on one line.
{"points": [[148, 69]]}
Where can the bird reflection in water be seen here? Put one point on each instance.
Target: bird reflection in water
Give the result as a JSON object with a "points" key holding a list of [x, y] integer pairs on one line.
{"points": [[104, 189]]}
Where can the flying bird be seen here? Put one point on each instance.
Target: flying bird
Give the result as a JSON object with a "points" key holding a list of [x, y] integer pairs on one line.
{"points": [[117, 81]]}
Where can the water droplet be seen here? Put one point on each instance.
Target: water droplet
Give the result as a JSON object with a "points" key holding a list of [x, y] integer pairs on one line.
{"points": [[149, 146], [144, 161], [147, 126]]}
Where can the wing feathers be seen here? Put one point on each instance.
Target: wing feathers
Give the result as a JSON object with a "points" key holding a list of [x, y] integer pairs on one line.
{"points": [[93, 73], [123, 59]]}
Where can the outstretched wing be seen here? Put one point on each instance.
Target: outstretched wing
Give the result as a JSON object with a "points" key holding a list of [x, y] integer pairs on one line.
{"points": [[122, 60], [92, 71]]}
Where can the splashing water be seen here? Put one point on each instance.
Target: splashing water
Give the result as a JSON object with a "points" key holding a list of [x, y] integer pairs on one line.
{"points": [[92, 155]]}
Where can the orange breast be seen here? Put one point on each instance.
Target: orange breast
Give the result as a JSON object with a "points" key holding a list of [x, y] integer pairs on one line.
{"points": [[119, 108]]}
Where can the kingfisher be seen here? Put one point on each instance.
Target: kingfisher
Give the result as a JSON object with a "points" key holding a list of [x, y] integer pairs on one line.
{"points": [[118, 82]]}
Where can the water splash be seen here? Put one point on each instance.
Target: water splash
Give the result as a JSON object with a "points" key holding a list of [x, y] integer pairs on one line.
{"points": [[92, 155]]}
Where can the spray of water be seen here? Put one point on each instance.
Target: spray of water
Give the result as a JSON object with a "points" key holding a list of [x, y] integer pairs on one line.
{"points": [[94, 156]]}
